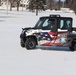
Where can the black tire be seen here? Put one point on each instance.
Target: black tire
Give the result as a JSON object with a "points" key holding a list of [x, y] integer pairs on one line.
{"points": [[30, 44], [22, 44], [72, 47]]}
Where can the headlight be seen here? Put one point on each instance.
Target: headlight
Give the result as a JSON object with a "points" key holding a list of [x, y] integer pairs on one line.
{"points": [[29, 31]]}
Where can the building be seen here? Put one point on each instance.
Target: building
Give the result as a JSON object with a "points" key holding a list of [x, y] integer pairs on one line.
{"points": [[4, 3]]}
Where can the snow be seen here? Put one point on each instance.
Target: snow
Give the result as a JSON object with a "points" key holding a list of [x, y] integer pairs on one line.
{"points": [[15, 60]]}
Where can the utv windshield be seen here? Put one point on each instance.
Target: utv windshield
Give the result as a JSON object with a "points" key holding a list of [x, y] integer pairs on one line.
{"points": [[39, 23], [45, 24]]}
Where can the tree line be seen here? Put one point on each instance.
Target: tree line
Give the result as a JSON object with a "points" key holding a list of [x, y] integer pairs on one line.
{"points": [[39, 5], [71, 4], [51, 4], [12, 3]]}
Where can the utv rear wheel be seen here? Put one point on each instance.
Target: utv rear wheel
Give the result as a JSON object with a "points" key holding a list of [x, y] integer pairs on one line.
{"points": [[73, 46], [30, 43]]}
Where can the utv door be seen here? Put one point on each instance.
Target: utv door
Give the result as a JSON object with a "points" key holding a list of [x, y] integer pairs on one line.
{"points": [[55, 32], [49, 30], [64, 28]]}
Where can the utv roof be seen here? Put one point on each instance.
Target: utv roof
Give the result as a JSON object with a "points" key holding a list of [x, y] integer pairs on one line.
{"points": [[55, 16]]}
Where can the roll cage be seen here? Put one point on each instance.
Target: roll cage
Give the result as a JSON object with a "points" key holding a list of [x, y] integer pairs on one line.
{"points": [[63, 23]]}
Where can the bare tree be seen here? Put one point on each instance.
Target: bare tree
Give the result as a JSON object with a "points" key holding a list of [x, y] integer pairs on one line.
{"points": [[74, 5], [18, 3], [11, 3], [50, 4], [14, 3], [71, 4], [54, 4], [0, 2], [68, 3], [59, 3]]}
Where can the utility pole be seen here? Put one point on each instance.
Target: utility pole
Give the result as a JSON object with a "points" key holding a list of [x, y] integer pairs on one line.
{"points": [[7, 7]]}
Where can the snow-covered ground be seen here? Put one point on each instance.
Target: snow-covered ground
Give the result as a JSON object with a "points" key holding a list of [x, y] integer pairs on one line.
{"points": [[15, 60]]}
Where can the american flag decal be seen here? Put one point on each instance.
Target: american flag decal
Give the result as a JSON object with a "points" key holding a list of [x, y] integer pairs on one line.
{"points": [[43, 36]]}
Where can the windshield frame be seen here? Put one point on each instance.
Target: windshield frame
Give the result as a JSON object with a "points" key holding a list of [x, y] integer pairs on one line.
{"points": [[39, 23]]}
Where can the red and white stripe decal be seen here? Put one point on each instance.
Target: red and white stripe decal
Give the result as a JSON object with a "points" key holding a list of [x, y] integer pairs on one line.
{"points": [[54, 38]]}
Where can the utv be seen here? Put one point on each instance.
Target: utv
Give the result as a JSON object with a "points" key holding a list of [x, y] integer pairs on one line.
{"points": [[52, 30]]}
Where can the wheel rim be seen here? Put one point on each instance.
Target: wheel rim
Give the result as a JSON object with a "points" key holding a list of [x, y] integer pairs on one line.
{"points": [[31, 44]]}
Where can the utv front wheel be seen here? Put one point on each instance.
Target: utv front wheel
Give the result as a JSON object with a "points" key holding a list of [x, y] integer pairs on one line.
{"points": [[30, 43], [22, 44], [73, 46]]}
